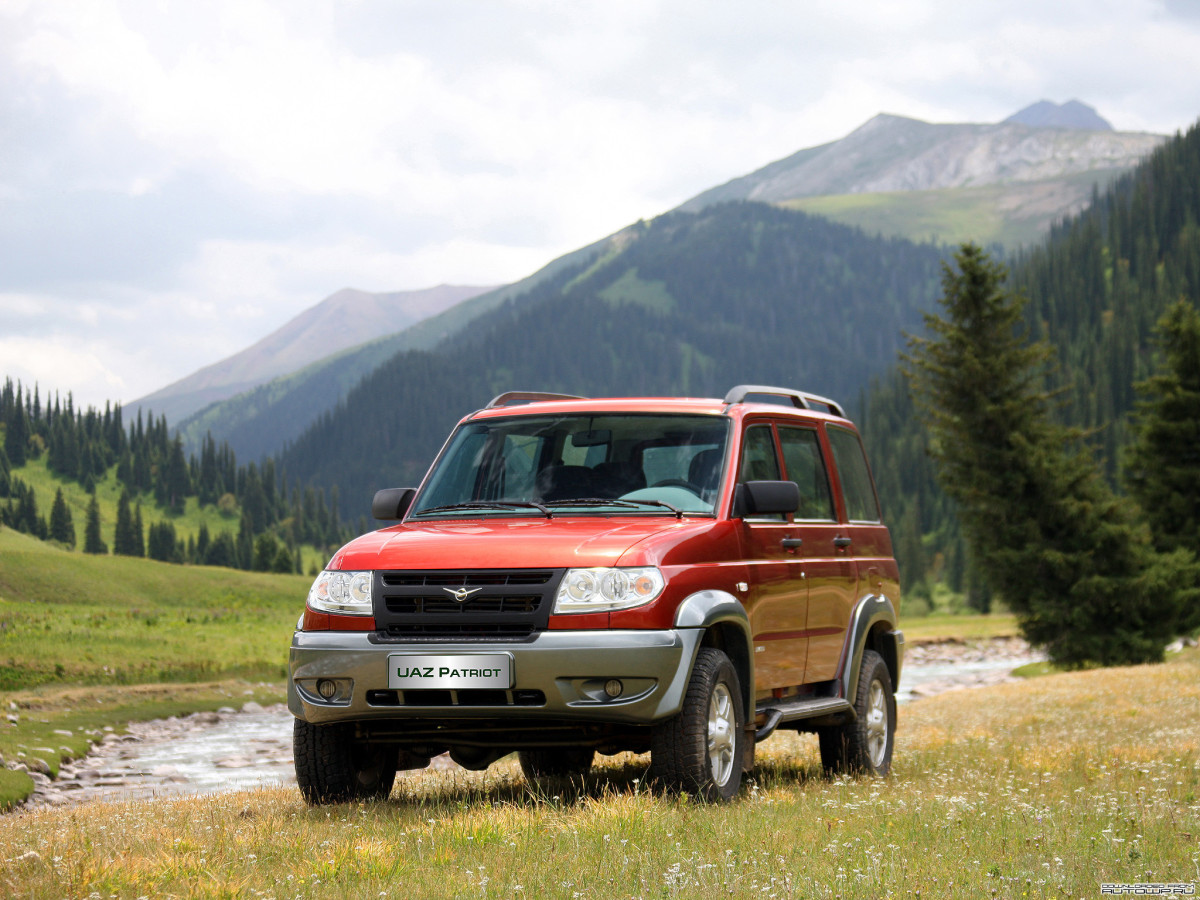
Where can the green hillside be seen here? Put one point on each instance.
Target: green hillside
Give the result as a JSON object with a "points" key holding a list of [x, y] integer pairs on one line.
{"points": [[71, 618], [685, 304], [1011, 215]]}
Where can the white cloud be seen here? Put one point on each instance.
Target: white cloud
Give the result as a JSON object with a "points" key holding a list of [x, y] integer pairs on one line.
{"points": [[180, 179]]}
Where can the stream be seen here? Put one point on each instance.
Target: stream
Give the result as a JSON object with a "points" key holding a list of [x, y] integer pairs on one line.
{"points": [[252, 747]]}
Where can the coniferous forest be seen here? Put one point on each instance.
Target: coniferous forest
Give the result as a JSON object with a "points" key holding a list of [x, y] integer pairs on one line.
{"points": [[1097, 289], [149, 463], [688, 304]]}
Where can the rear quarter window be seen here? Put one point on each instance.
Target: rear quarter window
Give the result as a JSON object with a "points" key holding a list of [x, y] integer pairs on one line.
{"points": [[861, 502]]}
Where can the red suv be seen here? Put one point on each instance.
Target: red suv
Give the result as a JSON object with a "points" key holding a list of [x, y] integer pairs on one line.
{"points": [[574, 576]]}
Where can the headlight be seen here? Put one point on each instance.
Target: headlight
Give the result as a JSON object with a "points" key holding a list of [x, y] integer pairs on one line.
{"points": [[603, 589], [347, 593]]}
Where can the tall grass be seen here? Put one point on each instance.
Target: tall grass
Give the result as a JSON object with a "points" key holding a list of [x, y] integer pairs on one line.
{"points": [[1041, 789], [78, 619]]}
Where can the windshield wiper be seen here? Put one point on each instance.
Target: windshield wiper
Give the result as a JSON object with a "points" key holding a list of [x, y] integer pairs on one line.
{"points": [[487, 504], [627, 504]]}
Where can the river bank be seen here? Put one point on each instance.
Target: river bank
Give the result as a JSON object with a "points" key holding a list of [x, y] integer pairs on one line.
{"points": [[237, 748]]}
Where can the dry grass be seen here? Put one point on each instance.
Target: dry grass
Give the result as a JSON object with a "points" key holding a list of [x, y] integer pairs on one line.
{"points": [[1042, 789]]}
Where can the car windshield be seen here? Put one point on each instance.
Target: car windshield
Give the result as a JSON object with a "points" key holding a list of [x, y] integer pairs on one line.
{"points": [[628, 464]]}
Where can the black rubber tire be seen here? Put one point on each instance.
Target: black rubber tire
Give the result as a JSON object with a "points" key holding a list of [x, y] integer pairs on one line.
{"points": [[865, 745], [681, 748], [332, 767], [550, 766]]}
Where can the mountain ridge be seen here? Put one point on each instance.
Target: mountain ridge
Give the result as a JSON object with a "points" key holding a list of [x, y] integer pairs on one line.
{"points": [[931, 156], [342, 320], [868, 158]]}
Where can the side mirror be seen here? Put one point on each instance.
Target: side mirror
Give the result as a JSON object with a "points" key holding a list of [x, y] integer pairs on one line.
{"points": [[763, 498], [392, 503]]}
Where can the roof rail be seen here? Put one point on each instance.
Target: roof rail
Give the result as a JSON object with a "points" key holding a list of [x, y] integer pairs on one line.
{"points": [[516, 398], [759, 393]]}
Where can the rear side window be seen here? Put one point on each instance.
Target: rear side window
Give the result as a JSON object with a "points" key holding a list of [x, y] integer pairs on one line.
{"points": [[861, 504]]}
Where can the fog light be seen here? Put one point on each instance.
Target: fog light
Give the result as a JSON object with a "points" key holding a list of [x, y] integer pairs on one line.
{"points": [[326, 688], [613, 687]]}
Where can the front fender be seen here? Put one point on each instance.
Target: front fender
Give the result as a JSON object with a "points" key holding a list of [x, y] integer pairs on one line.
{"points": [[721, 615]]}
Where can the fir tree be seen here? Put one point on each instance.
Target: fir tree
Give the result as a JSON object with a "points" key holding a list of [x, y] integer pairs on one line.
{"points": [[139, 534], [266, 548], [1162, 465], [62, 528], [124, 541], [16, 435], [283, 561], [1043, 526], [161, 545], [92, 542]]}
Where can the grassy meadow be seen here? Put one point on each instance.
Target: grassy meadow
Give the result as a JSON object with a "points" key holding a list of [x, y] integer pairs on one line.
{"points": [[89, 641], [1046, 788]]}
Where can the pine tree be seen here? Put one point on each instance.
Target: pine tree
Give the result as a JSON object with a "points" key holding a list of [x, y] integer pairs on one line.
{"points": [[139, 534], [16, 435], [124, 542], [92, 542], [1162, 464], [161, 544], [1043, 526], [283, 563], [266, 548], [62, 528]]}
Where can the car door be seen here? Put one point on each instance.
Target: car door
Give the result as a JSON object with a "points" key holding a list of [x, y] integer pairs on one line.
{"points": [[777, 597], [829, 571]]}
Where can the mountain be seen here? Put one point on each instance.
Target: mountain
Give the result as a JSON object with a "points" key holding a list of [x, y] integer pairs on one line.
{"points": [[1071, 114], [893, 176], [341, 320], [259, 421], [1000, 183], [686, 304]]}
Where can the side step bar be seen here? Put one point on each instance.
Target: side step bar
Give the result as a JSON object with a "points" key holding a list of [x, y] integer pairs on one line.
{"points": [[792, 710]]}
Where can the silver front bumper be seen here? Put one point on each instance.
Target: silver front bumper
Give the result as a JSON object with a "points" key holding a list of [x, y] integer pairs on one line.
{"points": [[569, 667]]}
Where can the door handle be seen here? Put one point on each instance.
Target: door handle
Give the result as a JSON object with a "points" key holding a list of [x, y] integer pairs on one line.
{"points": [[841, 542], [792, 543]]}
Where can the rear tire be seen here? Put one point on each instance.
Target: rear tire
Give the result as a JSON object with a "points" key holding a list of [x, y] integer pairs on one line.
{"points": [[864, 745], [333, 767], [548, 767], [700, 750]]}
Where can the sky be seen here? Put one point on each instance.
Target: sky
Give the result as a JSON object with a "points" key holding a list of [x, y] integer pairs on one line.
{"points": [[180, 179]]}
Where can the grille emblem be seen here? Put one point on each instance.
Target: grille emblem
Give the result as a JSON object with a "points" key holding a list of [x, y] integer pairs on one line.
{"points": [[461, 594]]}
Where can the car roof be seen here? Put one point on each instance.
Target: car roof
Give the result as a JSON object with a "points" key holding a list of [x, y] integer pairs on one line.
{"points": [[522, 406]]}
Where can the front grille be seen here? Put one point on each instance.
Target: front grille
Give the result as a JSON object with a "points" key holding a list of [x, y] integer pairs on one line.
{"points": [[499, 603]]}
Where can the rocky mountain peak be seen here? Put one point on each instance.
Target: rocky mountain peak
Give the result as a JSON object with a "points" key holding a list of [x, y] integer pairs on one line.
{"points": [[1072, 114]]}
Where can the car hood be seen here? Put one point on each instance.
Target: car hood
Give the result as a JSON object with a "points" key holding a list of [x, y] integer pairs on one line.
{"points": [[513, 543]]}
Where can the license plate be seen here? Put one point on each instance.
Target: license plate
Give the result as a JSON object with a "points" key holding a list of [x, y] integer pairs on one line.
{"points": [[411, 672]]}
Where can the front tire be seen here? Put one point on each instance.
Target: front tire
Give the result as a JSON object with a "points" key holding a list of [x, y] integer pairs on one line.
{"points": [[700, 750], [864, 745], [333, 767]]}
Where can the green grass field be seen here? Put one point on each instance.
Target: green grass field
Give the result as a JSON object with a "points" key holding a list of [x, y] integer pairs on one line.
{"points": [[1047, 788], [69, 620]]}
